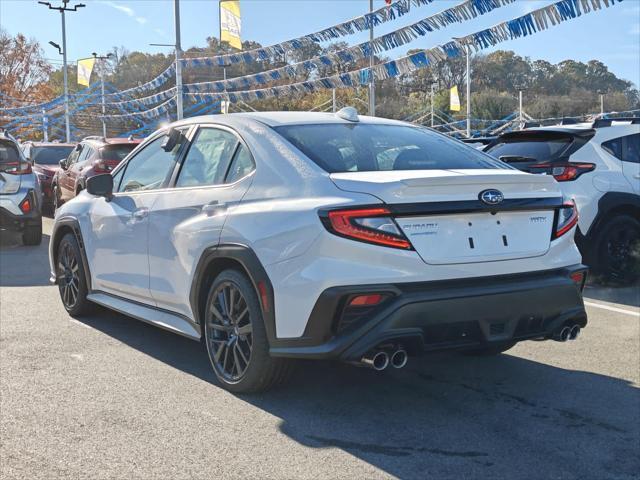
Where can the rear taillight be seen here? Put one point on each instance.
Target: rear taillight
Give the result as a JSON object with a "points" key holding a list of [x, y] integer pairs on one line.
{"points": [[566, 218], [100, 167], [26, 206], [371, 225], [563, 172], [16, 168]]}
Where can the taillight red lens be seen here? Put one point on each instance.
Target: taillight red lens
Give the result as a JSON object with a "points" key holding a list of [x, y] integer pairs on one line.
{"points": [[367, 300], [563, 172], [16, 168], [100, 167], [567, 218], [25, 206], [371, 225]]}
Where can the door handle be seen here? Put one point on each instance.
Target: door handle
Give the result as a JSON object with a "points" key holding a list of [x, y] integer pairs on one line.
{"points": [[213, 207], [140, 214]]}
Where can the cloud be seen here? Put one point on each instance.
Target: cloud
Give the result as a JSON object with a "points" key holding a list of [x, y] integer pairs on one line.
{"points": [[130, 12]]}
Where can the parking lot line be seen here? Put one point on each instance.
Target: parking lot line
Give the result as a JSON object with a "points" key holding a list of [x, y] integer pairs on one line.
{"points": [[613, 309]]}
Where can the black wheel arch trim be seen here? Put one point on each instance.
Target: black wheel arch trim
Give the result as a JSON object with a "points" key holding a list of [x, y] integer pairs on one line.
{"points": [[608, 202], [254, 269], [59, 228]]}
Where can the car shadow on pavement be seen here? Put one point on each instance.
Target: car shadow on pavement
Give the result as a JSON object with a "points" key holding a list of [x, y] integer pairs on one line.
{"points": [[444, 416], [622, 295], [22, 266]]}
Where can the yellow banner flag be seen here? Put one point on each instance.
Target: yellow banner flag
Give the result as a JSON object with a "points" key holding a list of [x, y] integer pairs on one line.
{"points": [[230, 23], [454, 103], [85, 67]]}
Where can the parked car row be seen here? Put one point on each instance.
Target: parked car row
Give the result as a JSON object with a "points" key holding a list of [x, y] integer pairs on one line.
{"points": [[37, 177]]}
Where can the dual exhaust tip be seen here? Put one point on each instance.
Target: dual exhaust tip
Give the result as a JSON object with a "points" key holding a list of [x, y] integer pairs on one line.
{"points": [[567, 333], [381, 359]]}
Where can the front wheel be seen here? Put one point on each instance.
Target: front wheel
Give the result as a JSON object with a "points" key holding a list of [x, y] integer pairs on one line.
{"points": [[618, 250], [57, 201], [71, 277], [236, 337]]}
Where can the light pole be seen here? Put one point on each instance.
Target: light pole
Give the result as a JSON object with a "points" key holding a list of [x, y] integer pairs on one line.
{"points": [[62, 9], [372, 85], [101, 71], [176, 16], [433, 91], [468, 93], [601, 102]]}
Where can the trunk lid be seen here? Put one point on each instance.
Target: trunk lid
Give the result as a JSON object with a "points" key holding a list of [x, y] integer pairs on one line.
{"points": [[441, 214]]}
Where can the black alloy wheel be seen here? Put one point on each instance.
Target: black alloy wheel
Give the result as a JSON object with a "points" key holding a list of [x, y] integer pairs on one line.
{"points": [[230, 332]]}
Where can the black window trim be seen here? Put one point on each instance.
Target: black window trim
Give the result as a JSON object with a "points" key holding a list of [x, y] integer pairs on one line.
{"points": [[623, 143]]}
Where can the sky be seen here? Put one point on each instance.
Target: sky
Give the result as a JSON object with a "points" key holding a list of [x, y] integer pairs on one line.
{"points": [[611, 35]]}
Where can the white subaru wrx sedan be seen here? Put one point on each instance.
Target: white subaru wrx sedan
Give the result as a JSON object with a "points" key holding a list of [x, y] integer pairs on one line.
{"points": [[277, 236]]}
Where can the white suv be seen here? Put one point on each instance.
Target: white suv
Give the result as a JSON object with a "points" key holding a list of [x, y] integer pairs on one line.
{"points": [[275, 236], [598, 165]]}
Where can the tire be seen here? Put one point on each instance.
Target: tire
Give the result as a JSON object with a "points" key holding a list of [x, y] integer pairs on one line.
{"points": [[490, 351], [618, 250], [32, 235], [236, 338], [72, 280], [57, 202]]}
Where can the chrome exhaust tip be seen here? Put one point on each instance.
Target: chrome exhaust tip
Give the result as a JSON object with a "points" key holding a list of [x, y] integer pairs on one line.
{"points": [[562, 335], [575, 332], [399, 358], [378, 360]]}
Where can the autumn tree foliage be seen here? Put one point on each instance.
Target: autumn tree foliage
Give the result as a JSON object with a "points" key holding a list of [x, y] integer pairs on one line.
{"points": [[24, 72]]}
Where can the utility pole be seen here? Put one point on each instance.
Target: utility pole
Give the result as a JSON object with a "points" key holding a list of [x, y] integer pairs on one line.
{"points": [[601, 103], [45, 126], [101, 72], [62, 9], [176, 15], [468, 93], [433, 90], [333, 99], [372, 84], [521, 116]]}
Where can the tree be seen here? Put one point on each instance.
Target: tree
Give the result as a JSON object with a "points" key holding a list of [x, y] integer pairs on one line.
{"points": [[23, 68]]}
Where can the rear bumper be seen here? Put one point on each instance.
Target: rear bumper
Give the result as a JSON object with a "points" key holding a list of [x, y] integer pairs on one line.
{"points": [[9, 220], [443, 315]]}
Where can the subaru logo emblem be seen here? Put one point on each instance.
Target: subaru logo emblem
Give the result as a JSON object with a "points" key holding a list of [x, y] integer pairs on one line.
{"points": [[491, 196]]}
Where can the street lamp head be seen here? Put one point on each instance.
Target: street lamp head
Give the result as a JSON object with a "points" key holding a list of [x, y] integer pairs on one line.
{"points": [[80, 5], [55, 45]]}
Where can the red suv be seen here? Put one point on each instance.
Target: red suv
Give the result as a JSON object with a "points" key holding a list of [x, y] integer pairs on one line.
{"points": [[92, 156], [45, 160]]}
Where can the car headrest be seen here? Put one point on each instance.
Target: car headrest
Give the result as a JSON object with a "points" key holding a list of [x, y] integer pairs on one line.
{"points": [[412, 159]]}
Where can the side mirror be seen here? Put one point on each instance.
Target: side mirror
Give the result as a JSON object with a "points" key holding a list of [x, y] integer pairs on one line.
{"points": [[173, 138], [101, 185], [63, 163]]}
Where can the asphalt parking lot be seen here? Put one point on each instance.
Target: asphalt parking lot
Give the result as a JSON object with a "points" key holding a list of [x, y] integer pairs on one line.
{"points": [[109, 397]]}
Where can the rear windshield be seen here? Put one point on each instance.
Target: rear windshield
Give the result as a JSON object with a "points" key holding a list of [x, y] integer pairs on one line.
{"points": [[8, 152], [116, 152], [50, 155], [538, 149], [366, 147]]}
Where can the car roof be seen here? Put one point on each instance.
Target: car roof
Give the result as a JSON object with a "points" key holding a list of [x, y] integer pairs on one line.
{"points": [[50, 144], [275, 119], [112, 140]]}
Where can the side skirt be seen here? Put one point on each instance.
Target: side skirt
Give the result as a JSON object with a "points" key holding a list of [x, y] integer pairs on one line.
{"points": [[154, 316]]}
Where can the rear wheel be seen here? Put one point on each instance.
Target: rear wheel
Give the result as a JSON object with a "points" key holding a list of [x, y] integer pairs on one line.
{"points": [[618, 250], [32, 235], [491, 350], [236, 338], [71, 277]]}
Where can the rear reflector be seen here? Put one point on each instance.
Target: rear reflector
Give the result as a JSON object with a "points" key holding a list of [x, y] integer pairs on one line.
{"points": [[367, 300], [264, 298], [579, 279]]}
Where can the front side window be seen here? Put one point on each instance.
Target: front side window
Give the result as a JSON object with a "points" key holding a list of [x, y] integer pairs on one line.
{"points": [[208, 158], [149, 169], [366, 147]]}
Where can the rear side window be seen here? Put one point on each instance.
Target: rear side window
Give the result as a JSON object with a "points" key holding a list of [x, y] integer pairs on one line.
{"points": [[116, 153], [625, 148], [8, 152], [366, 147], [241, 166], [208, 158]]}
